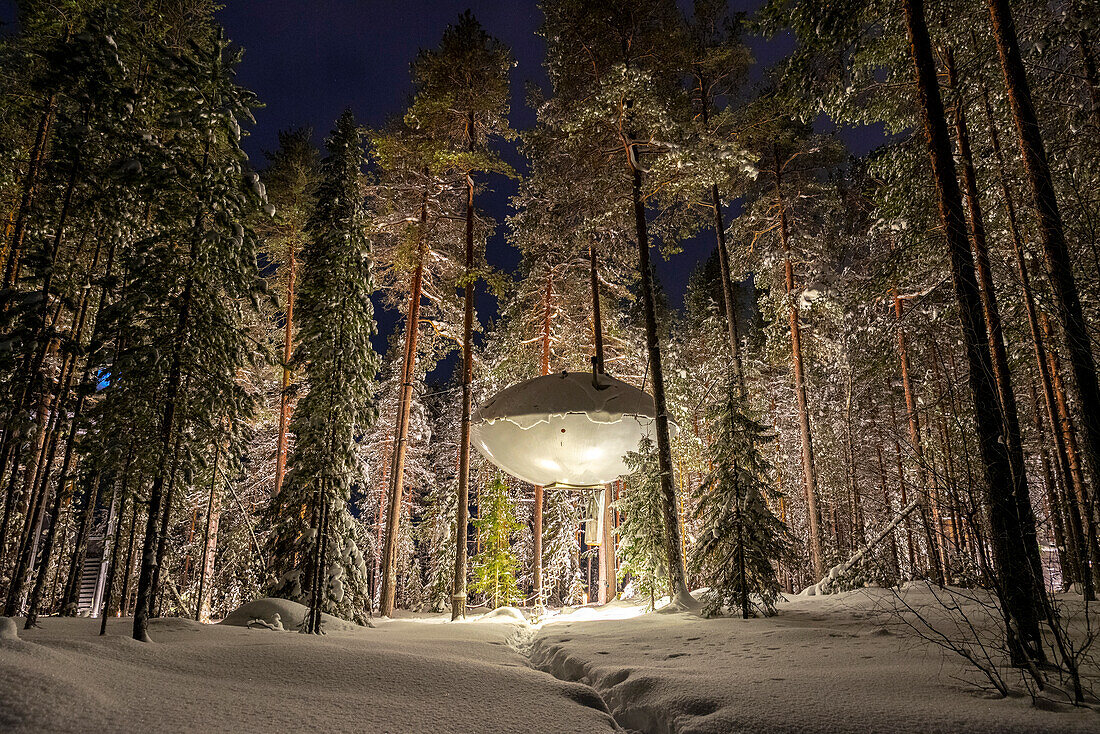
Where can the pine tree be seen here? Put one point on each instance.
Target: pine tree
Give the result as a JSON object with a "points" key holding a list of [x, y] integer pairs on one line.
{"points": [[740, 539], [495, 566], [313, 543]]}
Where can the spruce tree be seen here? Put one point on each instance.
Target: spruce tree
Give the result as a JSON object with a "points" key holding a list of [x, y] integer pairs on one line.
{"points": [[642, 532], [495, 566], [740, 539], [313, 543]]}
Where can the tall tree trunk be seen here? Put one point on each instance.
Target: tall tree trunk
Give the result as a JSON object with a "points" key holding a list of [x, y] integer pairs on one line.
{"points": [[401, 430], [288, 353], [1017, 585], [1059, 263], [910, 543], [458, 598], [544, 369], [934, 561], [727, 293], [677, 574], [207, 565], [809, 472], [1062, 419], [1002, 376], [70, 595], [156, 491], [30, 184], [112, 568], [1070, 477]]}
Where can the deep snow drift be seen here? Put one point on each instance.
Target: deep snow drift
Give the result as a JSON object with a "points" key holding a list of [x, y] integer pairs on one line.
{"points": [[835, 663]]}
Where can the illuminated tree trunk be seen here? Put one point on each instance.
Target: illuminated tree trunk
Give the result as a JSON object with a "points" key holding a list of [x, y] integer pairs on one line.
{"points": [[911, 545], [934, 561], [1065, 543], [809, 473], [458, 600], [1018, 586], [209, 543], [1069, 469], [112, 567], [1059, 263], [544, 370], [288, 352], [404, 408], [727, 293], [146, 588], [1001, 374], [677, 574]]}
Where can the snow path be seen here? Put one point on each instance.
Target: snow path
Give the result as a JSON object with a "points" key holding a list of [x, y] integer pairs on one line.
{"points": [[824, 664], [407, 675]]}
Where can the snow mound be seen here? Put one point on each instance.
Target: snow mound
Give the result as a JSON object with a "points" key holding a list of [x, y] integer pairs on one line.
{"points": [[8, 629], [504, 614], [280, 614]]}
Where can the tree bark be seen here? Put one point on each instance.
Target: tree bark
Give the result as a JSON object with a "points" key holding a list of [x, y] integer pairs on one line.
{"points": [[206, 567], [727, 293], [112, 567], [458, 598], [30, 184], [1059, 263], [934, 560], [156, 492], [288, 353], [401, 429], [809, 472], [1001, 374], [677, 574], [1018, 587], [1070, 477]]}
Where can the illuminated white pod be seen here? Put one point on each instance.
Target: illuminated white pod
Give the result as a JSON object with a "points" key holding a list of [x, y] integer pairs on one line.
{"points": [[563, 429]]}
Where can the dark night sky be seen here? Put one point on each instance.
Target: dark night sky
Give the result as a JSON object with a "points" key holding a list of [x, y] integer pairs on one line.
{"points": [[308, 61]]}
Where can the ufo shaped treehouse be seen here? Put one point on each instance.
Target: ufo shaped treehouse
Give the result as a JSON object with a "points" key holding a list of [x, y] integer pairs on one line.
{"points": [[569, 430]]}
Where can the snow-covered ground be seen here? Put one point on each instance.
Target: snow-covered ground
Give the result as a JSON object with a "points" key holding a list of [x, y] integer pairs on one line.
{"points": [[835, 664], [403, 676], [842, 663]]}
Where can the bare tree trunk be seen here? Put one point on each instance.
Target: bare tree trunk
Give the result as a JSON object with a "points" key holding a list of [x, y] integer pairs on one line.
{"points": [[71, 592], [911, 545], [727, 293], [401, 429], [1070, 469], [1061, 418], [544, 370], [146, 588], [677, 574], [1018, 586], [1001, 374], [1059, 263], [112, 568], [458, 598], [809, 473], [934, 561], [206, 566], [288, 353]]}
